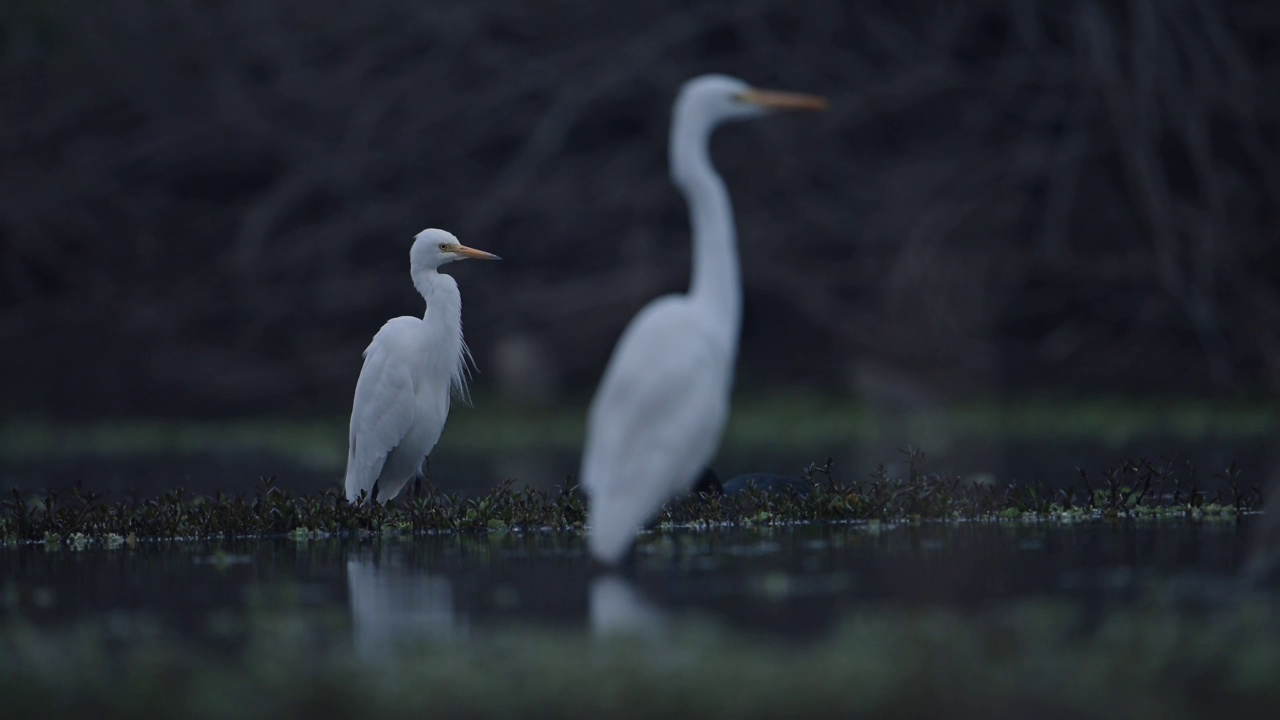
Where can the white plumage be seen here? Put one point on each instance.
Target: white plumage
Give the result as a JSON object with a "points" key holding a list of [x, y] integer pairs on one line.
{"points": [[662, 405], [410, 369]]}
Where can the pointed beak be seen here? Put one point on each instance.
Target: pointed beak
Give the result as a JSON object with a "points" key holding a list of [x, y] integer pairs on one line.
{"points": [[779, 100], [474, 254]]}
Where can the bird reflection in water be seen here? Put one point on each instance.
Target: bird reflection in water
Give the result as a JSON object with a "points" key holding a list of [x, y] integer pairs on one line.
{"points": [[393, 603], [619, 609]]}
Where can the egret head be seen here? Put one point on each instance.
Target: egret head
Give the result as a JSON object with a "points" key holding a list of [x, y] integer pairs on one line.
{"points": [[433, 248], [721, 98]]}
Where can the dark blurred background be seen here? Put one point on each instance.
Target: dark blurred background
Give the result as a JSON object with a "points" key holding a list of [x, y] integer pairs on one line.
{"points": [[206, 207]]}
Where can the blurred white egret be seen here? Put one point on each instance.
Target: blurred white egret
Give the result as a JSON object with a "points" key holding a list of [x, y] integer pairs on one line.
{"points": [[661, 407], [410, 368]]}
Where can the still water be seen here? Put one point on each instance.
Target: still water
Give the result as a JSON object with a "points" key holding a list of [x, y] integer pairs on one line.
{"points": [[790, 582]]}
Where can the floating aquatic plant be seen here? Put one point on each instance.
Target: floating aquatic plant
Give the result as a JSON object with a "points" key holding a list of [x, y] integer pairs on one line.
{"points": [[1138, 490]]}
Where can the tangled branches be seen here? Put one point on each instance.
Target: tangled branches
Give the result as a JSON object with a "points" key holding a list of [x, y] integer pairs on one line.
{"points": [[1007, 194]]}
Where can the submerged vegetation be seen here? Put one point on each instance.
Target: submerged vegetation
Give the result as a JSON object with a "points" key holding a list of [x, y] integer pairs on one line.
{"points": [[1138, 490]]}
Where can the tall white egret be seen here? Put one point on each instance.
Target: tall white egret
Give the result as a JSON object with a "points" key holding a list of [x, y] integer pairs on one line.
{"points": [[410, 369], [661, 407]]}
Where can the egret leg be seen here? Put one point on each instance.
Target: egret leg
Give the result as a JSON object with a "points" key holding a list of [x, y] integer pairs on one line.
{"points": [[422, 473]]}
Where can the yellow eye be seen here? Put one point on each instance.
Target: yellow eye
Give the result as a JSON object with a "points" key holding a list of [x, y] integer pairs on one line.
{"points": [[444, 246]]}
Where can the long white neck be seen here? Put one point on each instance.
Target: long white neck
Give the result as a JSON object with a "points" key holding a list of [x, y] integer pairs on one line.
{"points": [[443, 326], [717, 280]]}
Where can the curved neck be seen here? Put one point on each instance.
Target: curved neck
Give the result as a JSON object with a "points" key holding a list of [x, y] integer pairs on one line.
{"points": [[442, 325], [444, 302], [425, 281], [716, 277]]}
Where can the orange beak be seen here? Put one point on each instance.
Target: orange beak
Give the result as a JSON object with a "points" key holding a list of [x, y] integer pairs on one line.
{"points": [[779, 100], [473, 253]]}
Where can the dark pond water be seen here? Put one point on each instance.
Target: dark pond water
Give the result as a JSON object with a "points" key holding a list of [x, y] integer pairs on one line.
{"points": [[793, 582]]}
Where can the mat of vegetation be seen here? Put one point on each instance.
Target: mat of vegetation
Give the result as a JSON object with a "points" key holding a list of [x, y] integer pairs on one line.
{"points": [[1143, 489], [1038, 659]]}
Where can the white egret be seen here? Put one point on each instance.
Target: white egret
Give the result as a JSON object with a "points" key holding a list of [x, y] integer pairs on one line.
{"points": [[410, 369], [661, 407]]}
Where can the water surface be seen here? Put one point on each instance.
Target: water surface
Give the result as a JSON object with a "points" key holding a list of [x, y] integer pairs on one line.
{"points": [[792, 582]]}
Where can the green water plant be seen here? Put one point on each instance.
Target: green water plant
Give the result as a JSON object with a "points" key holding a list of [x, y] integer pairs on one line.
{"points": [[1142, 490]]}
